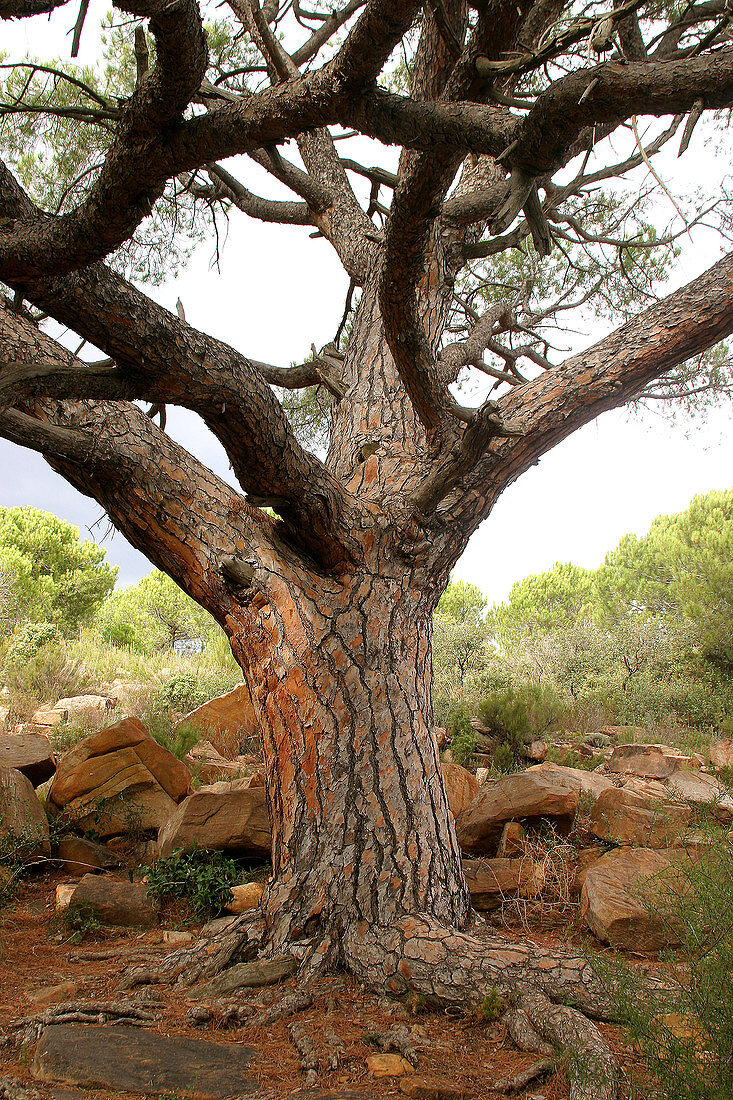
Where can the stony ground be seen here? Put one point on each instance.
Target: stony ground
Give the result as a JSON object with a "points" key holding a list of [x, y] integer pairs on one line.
{"points": [[453, 1056]]}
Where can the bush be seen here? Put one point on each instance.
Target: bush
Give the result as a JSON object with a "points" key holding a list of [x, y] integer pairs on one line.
{"points": [[49, 674], [28, 639], [203, 878], [684, 1028], [514, 714], [463, 737], [191, 687]]}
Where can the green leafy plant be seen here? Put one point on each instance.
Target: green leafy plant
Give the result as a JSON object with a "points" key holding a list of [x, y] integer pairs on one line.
{"points": [[463, 738], [684, 1027], [80, 921], [490, 1009], [203, 878]]}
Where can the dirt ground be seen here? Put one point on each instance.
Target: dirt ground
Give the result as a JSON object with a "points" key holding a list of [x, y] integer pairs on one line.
{"points": [[40, 967]]}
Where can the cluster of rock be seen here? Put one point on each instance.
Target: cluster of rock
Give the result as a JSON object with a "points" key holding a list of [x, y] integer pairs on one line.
{"points": [[641, 802], [119, 782]]}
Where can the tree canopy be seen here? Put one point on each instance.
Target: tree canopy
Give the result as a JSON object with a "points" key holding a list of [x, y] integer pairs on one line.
{"points": [[48, 574], [153, 615]]}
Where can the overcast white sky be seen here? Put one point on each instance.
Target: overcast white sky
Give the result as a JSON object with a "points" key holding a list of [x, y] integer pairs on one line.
{"points": [[277, 291]]}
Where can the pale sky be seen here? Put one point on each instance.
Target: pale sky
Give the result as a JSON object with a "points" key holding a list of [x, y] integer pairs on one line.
{"points": [[276, 292]]}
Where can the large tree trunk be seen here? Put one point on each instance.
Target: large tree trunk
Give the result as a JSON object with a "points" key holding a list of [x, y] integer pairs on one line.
{"points": [[340, 674]]}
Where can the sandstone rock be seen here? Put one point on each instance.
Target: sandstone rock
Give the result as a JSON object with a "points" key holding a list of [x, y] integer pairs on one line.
{"points": [[51, 994], [586, 858], [648, 761], [210, 766], [245, 897], [544, 790], [700, 789], [47, 717], [482, 776], [225, 721], [626, 733], [85, 708], [252, 975], [132, 1059], [175, 937], [721, 754], [230, 817], [461, 787], [592, 784], [441, 736], [80, 857], [118, 780], [612, 901], [388, 1065], [23, 823], [493, 881], [512, 840], [64, 894], [4, 716], [115, 901], [623, 817], [535, 750], [29, 753]]}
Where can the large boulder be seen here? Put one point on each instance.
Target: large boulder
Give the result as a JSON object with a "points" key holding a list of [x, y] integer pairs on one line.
{"points": [[545, 790], [624, 817], [649, 761], [115, 901], [23, 824], [229, 817], [119, 780], [79, 856], [624, 894], [29, 753], [226, 721], [700, 789], [86, 708], [493, 881], [721, 754], [461, 786], [211, 767]]}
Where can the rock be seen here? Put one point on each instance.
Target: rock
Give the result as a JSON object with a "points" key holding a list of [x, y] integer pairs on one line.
{"points": [[23, 823], [535, 750], [544, 790], [226, 721], [493, 881], [47, 717], [512, 840], [230, 817], [461, 787], [173, 936], [611, 900], [482, 776], [79, 856], [245, 897], [116, 902], [721, 754], [591, 783], [64, 894], [119, 780], [251, 975], [625, 733], [388, 1065], [4, 716], [132, 1059], [623, 817], [441, 736], [29, 753], [89, 708], [211, 767], [648, 761], [586, 858], [702, 790]]}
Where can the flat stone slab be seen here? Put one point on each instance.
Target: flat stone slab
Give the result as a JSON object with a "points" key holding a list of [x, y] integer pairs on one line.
{"points": [[131, 1059]]}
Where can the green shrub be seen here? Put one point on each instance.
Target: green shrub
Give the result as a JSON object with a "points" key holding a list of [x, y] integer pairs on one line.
{"points": [[513, 714], [28, 639], [81, 921], [191, 687], [463, 738], [684, 1027], [49, 674], [202, 877]]}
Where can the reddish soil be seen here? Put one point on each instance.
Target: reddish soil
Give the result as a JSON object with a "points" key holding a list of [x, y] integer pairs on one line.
{"points": [[36, 956]]}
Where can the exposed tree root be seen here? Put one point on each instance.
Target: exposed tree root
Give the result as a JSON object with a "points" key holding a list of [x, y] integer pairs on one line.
{"points": [[447, 967]]}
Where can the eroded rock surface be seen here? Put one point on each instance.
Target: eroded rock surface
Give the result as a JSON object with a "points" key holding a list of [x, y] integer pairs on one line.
{"points": [[229, 817], [23, 823]]}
